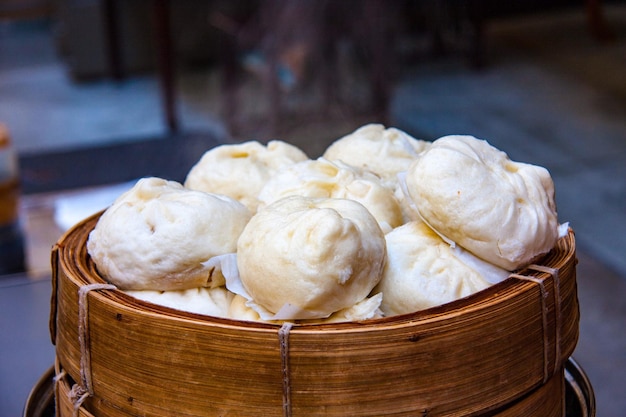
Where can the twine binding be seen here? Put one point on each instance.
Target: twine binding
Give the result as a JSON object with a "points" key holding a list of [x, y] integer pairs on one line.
{"points": [[557, 310], [86, 389], [56, 381], [554, 273], [544, 317], [283, 338]]}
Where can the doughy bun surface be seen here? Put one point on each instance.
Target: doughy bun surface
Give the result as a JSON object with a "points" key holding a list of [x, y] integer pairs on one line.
{"points": [[157, 235], [423, 271], [240, 170], [385, 152], [314, 255], [473, 194], [207, 301], [322, 178]]}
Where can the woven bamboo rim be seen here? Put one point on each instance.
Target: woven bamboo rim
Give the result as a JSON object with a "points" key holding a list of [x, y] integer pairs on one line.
{"points": [[471, 357]]}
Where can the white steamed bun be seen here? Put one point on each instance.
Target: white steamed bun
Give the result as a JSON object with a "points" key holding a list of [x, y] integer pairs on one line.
{"points": [[304, 258], [206, 301], [424, 271], [366, 309], [385, 152], [322, 178], [157, 235], [471, 193], [240, 170]]}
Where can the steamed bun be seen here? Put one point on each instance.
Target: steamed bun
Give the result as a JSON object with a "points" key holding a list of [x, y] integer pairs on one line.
{"points": [[366, 309], [240, 170], [240, 310], [424, 271], [206, 301], [385, 152], [310, 256], [471, 193], [322, 178], [157, 235]]}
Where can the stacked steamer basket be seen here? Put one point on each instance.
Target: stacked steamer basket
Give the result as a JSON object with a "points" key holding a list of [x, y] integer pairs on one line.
{"points": [[499, 352]]}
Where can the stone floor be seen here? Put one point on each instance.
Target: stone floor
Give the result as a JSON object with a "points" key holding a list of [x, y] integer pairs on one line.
{"points": [[550, 95]]}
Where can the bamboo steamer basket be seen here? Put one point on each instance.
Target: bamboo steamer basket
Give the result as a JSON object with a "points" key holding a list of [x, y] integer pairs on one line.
{"points": [[579, 395], [544, 401], [499, 352]]}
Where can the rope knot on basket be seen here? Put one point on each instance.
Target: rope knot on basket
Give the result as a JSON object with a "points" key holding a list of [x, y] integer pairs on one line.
{"points": [[554, 273], [77, 396]]}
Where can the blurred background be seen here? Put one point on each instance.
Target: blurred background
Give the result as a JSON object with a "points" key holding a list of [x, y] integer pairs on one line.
{"points": [[97, 93]]}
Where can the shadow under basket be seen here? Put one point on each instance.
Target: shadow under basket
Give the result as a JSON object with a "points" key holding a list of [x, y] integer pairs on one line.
{"points": [[499, 352]]}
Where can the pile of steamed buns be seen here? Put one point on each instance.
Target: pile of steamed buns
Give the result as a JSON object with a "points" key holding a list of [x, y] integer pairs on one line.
{"points": [[382, 224]]}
